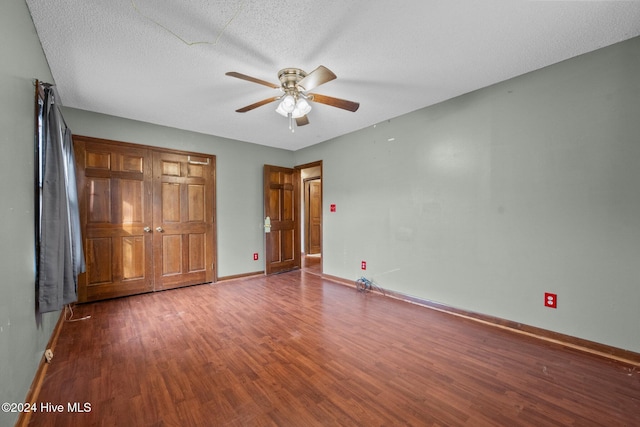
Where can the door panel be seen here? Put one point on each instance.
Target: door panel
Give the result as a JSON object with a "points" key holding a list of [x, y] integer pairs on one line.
{"points": [[98, 258], [183, 211], [197, 252], [281, 197], [170, 198], [112, 183], [133, 258]]}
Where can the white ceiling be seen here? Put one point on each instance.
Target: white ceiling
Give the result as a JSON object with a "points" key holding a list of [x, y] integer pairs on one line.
{"points": [[164, 61]]}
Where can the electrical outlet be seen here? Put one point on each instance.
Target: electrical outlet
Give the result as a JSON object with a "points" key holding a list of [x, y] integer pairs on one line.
{"points": [[550, 300], [363, 265], [255, 256]]}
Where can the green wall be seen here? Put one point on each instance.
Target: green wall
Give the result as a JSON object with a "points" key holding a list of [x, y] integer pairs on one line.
{"points": [[23, 335], [489, 200]]}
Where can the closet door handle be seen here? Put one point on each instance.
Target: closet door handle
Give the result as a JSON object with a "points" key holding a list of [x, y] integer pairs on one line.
{"points": [[159, 229], [147, 229]]}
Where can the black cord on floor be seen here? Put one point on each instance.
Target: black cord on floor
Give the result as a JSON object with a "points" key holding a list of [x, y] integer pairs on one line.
{"points": [[364, 285]]}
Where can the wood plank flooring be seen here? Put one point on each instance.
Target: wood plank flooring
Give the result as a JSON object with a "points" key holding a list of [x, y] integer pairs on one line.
{"points": [[296, 350]]}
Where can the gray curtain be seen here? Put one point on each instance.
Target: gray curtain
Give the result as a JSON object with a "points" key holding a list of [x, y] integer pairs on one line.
{"points": [[61, 257]]}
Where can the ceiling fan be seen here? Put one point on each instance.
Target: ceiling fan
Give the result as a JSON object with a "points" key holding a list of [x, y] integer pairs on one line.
{"points": [[294, 101]]}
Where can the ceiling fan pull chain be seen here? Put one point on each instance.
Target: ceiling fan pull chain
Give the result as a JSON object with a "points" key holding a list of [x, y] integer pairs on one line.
{"points": [[291, 128]]}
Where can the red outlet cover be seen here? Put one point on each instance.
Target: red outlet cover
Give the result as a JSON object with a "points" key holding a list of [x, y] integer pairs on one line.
{"points": [[333, 207], [363, 265], [550, 300], [255, 256]]}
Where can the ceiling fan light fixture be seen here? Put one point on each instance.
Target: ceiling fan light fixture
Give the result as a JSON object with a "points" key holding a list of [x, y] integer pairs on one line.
{"points": [[302, 108], [287, 105], [290, 107]]}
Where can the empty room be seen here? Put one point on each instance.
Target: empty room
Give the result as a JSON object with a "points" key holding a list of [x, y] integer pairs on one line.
{"points": [[262, 213]]}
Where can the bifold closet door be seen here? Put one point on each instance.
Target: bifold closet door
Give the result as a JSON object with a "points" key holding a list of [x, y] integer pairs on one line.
{"points": [[114, 188], [147, 217], [183, 219]]}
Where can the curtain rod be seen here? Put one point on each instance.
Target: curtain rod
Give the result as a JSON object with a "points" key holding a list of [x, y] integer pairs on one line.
{"points": [[41, 86]]}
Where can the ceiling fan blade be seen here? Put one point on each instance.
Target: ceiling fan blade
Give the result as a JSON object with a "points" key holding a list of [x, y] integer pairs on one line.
{"points": [[335, 102], [252, 79], [257, 104], [317, 77], [301, 121]]}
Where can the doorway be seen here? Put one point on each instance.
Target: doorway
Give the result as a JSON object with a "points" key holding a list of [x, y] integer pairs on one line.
{"points": [[311, 225]]}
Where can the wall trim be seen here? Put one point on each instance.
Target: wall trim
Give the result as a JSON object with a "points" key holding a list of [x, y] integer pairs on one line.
{"points": [[239, 276], [36, 384], [618, 355]]}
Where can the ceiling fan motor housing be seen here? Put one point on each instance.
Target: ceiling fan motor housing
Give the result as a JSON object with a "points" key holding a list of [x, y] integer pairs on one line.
{"points": [[290, 77]]}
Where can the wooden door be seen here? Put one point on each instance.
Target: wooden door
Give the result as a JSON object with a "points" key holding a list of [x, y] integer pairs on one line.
{"points": [[281, 202], [183, 219], [147, 218], [114, 183], [313, 216]]}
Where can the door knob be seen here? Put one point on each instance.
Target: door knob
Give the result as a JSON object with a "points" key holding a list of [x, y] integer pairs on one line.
{"points": [[159, 229], [147, 229]]}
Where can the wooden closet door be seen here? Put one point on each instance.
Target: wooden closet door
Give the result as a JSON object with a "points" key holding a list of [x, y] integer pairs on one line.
{"points": [[147, 218], [114, 184], [183, 218]]}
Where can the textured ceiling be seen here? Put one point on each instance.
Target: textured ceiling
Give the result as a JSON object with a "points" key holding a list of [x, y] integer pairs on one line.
{"points": [[164, 61]]}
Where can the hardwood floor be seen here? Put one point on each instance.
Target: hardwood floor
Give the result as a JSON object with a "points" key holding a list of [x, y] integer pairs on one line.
{"points": [[296, 350], [312, 264]]}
